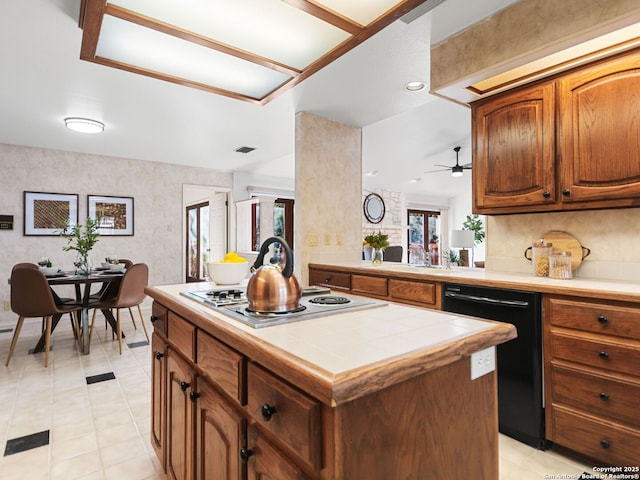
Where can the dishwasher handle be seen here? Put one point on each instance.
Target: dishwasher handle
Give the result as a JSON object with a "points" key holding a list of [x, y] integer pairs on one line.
{"points": [[487, 300]]}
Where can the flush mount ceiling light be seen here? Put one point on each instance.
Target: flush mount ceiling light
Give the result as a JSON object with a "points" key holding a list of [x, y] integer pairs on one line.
{"points": [[415, 86], [251, 50], [83, 125]]}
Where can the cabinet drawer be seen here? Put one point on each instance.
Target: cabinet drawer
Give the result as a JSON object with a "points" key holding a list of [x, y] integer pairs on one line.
{"points": [[597, 352], [159, 318], [371, 285], [223, 365], [421, 292], [600, 395], [183, 335], [597, 318], [296, 417], [607, 442], [330, 279]]}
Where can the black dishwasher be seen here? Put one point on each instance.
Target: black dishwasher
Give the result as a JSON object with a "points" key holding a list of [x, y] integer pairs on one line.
{"points": [[519, 361]]}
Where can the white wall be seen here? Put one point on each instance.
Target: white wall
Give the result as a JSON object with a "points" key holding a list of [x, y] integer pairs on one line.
{"points": [[157, 189]]}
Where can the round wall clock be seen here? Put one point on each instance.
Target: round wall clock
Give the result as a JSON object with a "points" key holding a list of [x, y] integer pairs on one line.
{"points": [[373, 208]]}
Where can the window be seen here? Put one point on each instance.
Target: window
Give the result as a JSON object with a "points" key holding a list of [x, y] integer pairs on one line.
{"points": [[282, 222], [424, 229], [197, 242]]}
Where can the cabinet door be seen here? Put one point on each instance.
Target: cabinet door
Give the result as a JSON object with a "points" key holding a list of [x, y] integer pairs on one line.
{"points": [[180, 429], [158, 396], [514, 150], [327, 278], [219, 436], [599, 131], [267, 463]]}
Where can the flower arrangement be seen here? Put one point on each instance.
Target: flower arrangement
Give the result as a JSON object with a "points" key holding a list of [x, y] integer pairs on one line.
{"points": [[376, 240], [81, 239]]}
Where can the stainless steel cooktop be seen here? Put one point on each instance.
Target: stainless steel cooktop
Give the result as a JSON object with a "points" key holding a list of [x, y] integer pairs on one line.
{"points": [[315, 302]]}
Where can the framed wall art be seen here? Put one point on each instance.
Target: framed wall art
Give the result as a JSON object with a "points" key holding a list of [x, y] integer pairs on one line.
{"points": [[48, 213], [115, 214]]}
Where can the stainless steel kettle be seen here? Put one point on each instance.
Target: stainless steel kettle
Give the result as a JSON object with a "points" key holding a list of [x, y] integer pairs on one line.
{"points": [[273, 288]]}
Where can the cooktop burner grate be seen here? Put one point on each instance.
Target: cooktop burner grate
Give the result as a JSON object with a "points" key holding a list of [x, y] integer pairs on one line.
{"points": [[329, 300], [257, 313]]}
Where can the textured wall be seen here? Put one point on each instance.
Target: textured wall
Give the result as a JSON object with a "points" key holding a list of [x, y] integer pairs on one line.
{"points": [[328, 213], [157, 189]]}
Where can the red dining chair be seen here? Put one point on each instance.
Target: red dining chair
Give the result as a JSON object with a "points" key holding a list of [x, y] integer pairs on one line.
{"points": [[130, 294], [31, 297]]}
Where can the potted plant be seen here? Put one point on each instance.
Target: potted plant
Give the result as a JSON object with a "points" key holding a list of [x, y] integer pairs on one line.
{"points": [[473, 222], [81, 239], [378, 243]]}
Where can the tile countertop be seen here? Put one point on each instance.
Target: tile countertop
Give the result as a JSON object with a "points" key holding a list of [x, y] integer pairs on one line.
{"points": [[368, 349], [591, 288]]}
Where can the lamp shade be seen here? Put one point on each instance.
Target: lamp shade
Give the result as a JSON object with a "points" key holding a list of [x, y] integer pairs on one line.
{"points": [[462, 238]]}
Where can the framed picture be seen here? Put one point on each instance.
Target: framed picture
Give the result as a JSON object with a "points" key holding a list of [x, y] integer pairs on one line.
{"points": [[48, 213], [115, 214]]}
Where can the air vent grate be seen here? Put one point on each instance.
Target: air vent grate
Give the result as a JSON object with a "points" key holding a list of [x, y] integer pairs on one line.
{"points": [[245, 149], [420, 10]]}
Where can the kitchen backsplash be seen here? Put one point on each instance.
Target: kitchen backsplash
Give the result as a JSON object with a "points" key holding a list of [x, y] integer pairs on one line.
{"points": [[613, 236]]}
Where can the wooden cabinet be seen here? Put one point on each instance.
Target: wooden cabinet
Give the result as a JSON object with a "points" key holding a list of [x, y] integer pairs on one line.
{"points": [[158, 396], [409, 289], [566, 143], [592, 371]]}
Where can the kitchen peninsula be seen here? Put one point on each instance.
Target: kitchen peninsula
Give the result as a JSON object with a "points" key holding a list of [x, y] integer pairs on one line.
{"points": [[383, 393]]}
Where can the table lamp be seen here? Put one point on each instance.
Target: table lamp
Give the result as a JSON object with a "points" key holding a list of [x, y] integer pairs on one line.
{"points": [[463, 239]]}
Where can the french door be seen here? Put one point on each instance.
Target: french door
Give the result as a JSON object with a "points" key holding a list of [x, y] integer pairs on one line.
{"points": [[197, 242], [424, 229]]}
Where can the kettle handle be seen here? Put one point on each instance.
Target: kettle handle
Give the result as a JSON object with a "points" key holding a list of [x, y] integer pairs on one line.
{"points": [[287, 271]]}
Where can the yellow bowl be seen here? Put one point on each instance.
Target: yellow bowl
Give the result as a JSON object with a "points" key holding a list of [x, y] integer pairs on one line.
{"points": [[228, 273]]}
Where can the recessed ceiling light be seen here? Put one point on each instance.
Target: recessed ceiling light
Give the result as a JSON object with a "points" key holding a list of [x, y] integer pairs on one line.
{"points": [[415, 86], [83, 125], [372, 173], [415, 180]]}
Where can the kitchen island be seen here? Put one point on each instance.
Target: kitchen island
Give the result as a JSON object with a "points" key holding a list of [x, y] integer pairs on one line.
{"points": [[384, 393]]}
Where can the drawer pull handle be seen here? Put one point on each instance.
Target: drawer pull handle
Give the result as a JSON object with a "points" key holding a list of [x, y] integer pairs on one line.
{"points": [[193, 396], [184, 386], [267, 411], [566, 192], [603, 319], [604, 354], [154, 318], [605, 443], [327, 279], [546, 194], [245, 453], [604, 396], [159, 355]]}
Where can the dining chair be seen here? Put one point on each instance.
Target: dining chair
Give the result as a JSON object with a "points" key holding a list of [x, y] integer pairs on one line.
{"points": [[103, 291], [130, 294], [31, 296], [393, 253]]}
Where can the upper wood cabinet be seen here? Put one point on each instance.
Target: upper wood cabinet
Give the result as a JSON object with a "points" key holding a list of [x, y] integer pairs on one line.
{"points": [[514, 152], [566, 143]]}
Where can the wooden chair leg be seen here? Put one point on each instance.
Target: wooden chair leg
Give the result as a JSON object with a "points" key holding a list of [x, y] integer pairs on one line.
{"points": [[14, 340], [133, 320], [146, 334], [47, 341], [119, 329]]}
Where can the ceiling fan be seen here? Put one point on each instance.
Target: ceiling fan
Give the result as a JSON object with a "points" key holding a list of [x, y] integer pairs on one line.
{"points": [[456, 170]]}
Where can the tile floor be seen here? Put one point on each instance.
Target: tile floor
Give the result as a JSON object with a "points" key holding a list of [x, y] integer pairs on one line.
{"points": [[91, 413]]}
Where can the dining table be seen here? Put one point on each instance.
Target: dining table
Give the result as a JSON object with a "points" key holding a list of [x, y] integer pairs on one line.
{"points": [[82, 284]]}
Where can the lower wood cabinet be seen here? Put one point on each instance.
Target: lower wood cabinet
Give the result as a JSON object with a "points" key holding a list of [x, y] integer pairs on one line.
{"points": [[158, 396], [592, 372]]}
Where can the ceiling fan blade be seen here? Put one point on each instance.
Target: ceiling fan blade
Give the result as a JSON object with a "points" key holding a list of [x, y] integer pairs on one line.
{"points": [[467, 165], [443, 170], [443, 166]]}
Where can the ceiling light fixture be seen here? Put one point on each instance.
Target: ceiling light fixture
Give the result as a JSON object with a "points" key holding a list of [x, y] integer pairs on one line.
{"points": [[456, 171], [372, 173], [83, 125], [415, 86]]}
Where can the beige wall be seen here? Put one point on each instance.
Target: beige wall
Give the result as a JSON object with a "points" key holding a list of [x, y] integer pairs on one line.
{"points": [[328, 213], [157, 189]]}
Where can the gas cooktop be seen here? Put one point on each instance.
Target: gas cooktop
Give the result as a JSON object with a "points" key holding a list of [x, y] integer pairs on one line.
{"points": [[315, 302]]}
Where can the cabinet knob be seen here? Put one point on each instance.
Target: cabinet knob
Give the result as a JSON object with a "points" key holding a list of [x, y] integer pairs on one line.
{"points": [[604, 443], [267, 411], [154, 318], [327, 279], [604, 354], [566, 192], [602, 319], [159, 355], [193, 396], [184, 386], [546, 194], [604, 396], [245, 453]]}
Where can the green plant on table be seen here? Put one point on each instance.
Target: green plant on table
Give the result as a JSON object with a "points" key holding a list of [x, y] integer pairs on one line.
{"points": [[81, 239], [377, 240], [474, 224]]}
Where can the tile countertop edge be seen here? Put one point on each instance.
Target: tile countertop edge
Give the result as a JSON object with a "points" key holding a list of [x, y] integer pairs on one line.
{"points": [[330, 388], [582, 287]]}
